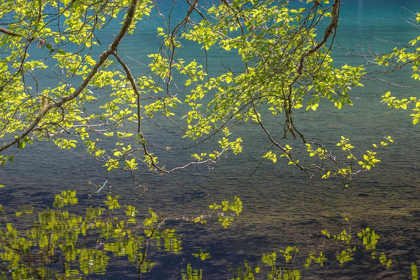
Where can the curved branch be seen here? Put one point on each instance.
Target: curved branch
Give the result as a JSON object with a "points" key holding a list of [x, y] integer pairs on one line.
{"points": [[8, 32], [130, 78], [328, 32], [102, 59]]}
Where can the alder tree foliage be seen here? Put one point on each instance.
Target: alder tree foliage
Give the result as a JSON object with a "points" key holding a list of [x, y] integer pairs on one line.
{"points": [[92, 93]]}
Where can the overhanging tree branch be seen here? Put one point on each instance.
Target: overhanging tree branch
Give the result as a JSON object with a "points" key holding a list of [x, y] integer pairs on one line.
{"points": [[102, 59]]}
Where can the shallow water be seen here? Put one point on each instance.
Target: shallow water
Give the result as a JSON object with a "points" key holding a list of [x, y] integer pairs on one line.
{"points": [[281, 206]]}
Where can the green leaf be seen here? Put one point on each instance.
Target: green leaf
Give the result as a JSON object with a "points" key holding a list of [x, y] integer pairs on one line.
{"points": [[414, 272]]}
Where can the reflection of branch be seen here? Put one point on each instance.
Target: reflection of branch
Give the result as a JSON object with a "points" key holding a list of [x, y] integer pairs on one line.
{"points": [[29, 263], [146, 246]]}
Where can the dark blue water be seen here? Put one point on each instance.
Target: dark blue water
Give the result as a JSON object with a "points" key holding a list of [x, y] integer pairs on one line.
{"points": [[281, 206]]}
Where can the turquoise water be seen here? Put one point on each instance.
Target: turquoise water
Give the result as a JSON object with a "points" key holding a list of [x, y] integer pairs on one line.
{"points": [[281, 206]]}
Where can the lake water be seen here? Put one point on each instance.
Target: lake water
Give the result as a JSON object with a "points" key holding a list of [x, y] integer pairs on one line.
{"points": [[281, 206]]}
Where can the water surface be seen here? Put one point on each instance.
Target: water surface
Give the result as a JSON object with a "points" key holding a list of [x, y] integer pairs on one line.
{"points": [[281, 206]]}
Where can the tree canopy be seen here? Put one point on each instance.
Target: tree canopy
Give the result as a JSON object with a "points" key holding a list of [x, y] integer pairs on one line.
{"points": [[92, 93], [62, 81]]}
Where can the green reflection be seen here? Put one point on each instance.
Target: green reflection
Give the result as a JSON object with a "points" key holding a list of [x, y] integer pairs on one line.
{"points": [[61, 244], [336, 250], [414, 272]]}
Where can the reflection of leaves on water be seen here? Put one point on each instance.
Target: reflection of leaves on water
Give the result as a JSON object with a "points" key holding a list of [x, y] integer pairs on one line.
{"points": [[291, 262], [202, 256], [414, 272], [245, 272], [62, 244], [191, 274]]}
